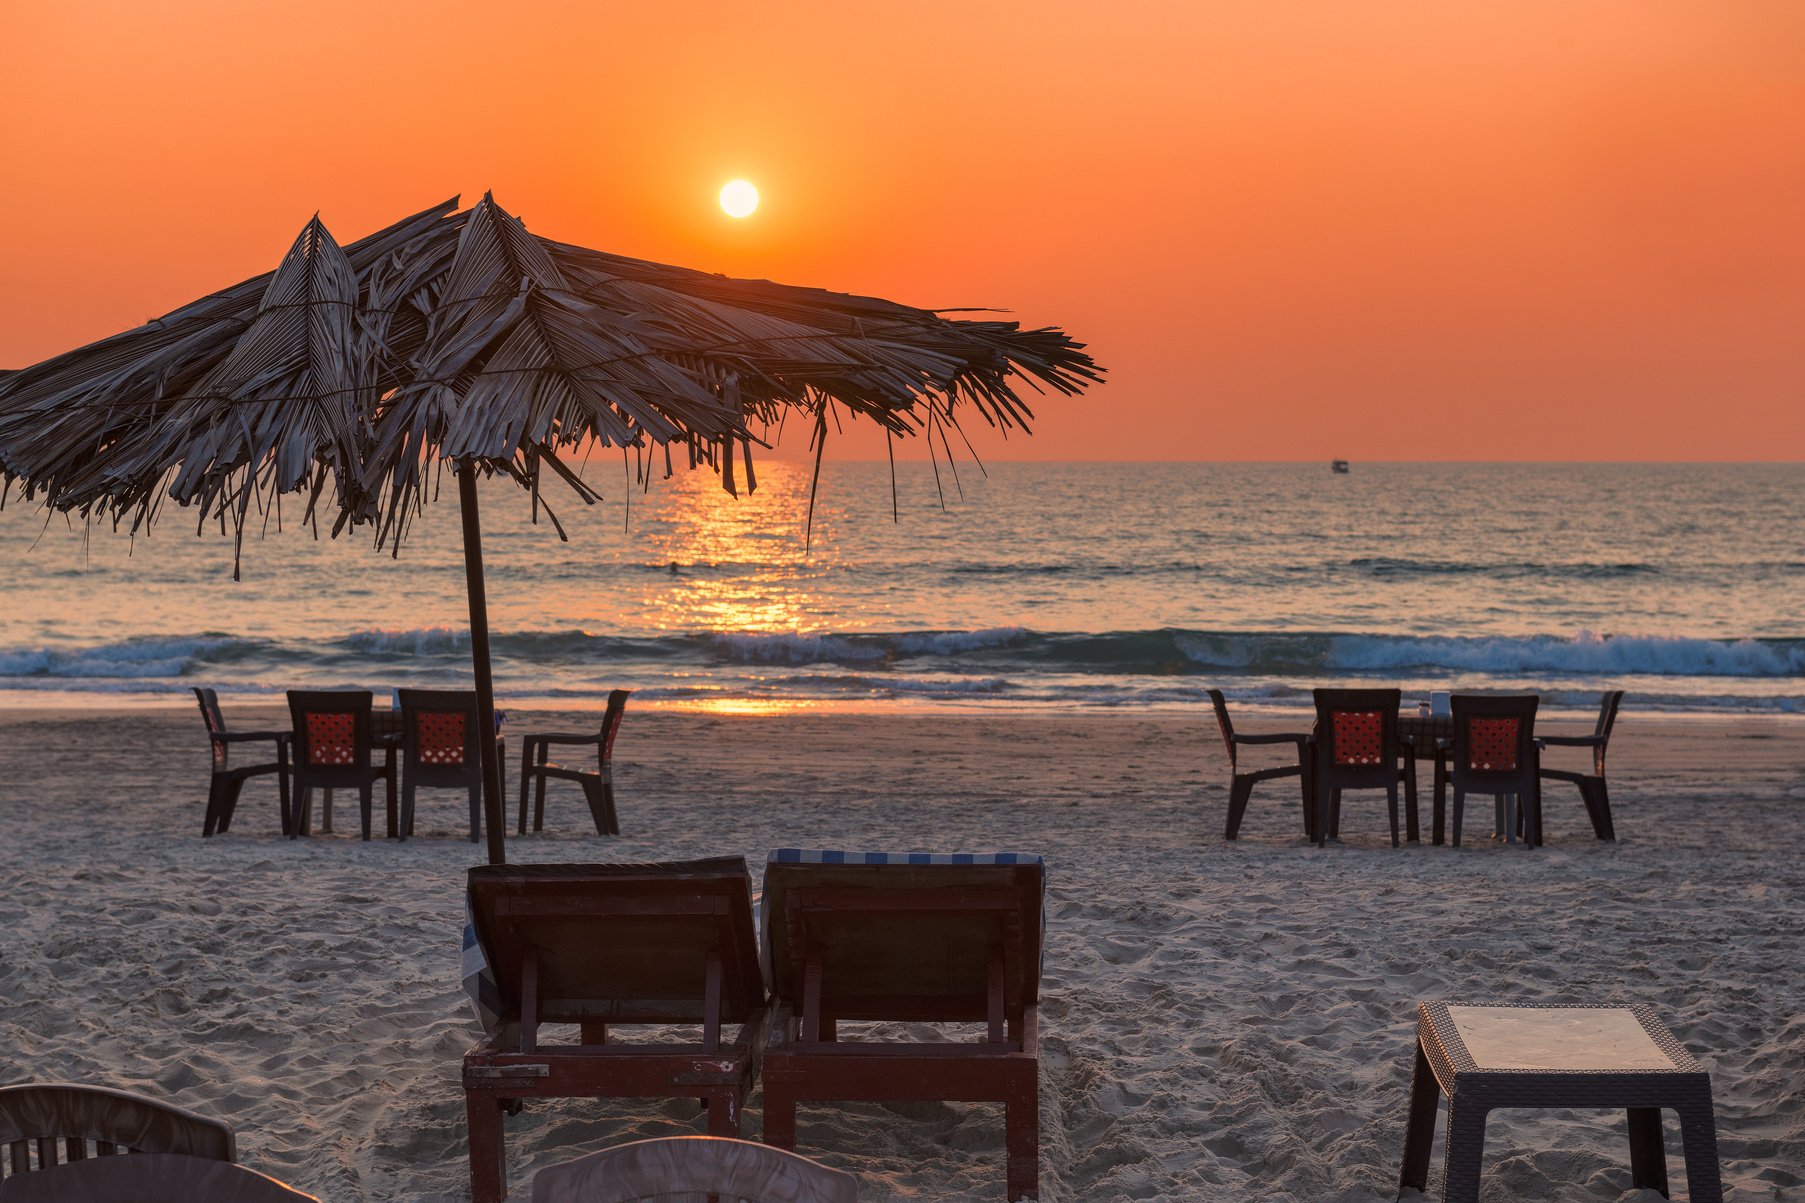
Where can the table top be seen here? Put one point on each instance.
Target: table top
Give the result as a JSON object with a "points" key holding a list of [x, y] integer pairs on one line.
{"points": [[1557, 1039]]}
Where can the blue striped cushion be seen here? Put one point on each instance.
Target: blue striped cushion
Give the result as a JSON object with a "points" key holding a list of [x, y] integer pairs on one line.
{"points": [[834, 856], [479, 981]]}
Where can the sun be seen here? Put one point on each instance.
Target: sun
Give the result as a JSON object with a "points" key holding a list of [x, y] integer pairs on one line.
{"points": [[738, 198]]}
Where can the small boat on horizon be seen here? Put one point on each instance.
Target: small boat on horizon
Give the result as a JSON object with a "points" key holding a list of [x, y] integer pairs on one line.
{"points": [[1338, 466]]}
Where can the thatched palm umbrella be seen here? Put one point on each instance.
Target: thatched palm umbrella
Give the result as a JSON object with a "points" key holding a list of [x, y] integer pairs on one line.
{"points": [[350, 374]]}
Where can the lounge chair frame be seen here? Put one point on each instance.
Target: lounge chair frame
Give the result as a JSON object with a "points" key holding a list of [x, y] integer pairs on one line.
{"points": [[841, 938], [607, 945], [597, 783], [1241, 784], [227, 781], [1592, 790]]}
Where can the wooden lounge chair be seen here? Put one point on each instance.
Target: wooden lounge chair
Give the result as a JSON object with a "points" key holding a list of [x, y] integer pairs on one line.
{"points": [[62, 1121], [439, 730], [1241, 784], [684, 1167], [149, 1178], [1493, 751], [1591, 785], [597, 783], [602, 946], [909, 938], [332, 750], [1355, 746], [229, 779]]}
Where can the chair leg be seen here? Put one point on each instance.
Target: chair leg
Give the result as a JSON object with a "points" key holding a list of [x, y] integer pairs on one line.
{"points": [[1648, 1155], [488, 1183], [1335, 815], [1412, 831], [598, 809], [539, 793], [1238, 790], [228, 804], [303, 813], [389, 788], [527, 761], [210, 823], [1441, 799], [1507, 803], [408, 792], [780, 1115], [476, 813], [1465, 1150], [723, 1117], [608, 805], [1460, 805], [1419, 1132], [365, 800], [1322, 815], [1602, 800], [282, 791], [1021, 1124], [1698, 1137], [1391, 802]]}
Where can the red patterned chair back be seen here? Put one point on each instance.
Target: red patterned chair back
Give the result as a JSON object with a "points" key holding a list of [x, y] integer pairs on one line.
{"points": [[331, 728], [1357, 732], [1494, 737], [440, 728], [617, 708]]}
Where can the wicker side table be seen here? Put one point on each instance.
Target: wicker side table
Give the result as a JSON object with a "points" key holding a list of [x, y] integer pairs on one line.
{"points": [[1488, 1056]]}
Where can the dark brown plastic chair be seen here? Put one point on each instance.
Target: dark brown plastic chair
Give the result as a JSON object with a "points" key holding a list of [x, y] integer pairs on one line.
{"points": [[332, 750], [439, 730], [149, 1178], [597, 783], [1355, 746], [61, 1121], [1241, 784], [1591, 785], [885, 937], [606, 946], [1493, 751], [693, 1167], [229, 779]]}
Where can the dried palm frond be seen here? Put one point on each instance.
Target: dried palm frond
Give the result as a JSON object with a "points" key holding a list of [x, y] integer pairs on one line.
{"points": [[347, 372]]}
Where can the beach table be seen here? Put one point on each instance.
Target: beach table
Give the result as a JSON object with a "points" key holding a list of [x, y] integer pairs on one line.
{"points": [[1485, 1056], [1422, 731]]}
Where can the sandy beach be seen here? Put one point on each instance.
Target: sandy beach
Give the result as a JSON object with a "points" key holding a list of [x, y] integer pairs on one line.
{"points": [[1219, 1021]]}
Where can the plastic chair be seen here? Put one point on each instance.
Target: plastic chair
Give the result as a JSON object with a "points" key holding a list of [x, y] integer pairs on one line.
{"points": [[1493, 751], [1591, 785], [332, 751], [1355, 746], [693, 1167], [228, 780], [598, 784], [1241, 784], [440, 728]]}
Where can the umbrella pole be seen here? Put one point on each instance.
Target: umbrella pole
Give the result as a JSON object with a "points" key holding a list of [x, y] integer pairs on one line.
{"points": [[479, 657]]}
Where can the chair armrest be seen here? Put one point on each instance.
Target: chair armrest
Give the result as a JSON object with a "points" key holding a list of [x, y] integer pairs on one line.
{"points": [[1569, 741], [1444, 744], [245, 737], [1291, 737], [561, 737]]}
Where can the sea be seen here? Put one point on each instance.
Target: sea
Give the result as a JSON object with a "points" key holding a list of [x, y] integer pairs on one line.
{"points": [[1024, 586]]}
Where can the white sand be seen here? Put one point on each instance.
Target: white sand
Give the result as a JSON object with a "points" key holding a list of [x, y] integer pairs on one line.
{"points": [[1220, 1021]]}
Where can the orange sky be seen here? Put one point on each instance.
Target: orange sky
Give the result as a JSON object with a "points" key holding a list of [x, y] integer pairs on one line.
{"points": [[1291, 230]]}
